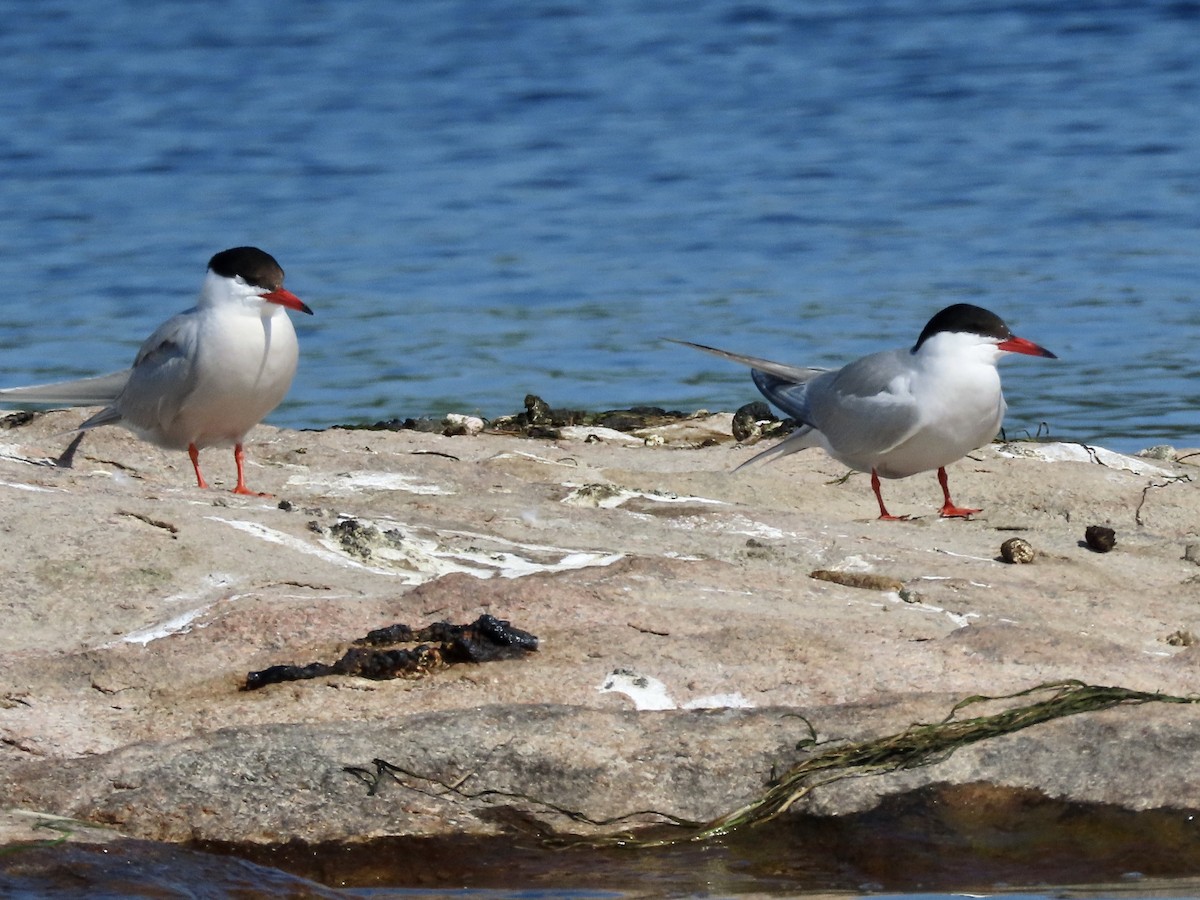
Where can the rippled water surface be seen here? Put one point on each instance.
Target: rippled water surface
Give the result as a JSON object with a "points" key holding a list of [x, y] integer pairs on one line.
{"points": [[485, 199]]}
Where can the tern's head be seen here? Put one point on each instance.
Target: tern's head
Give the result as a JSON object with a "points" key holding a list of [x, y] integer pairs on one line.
{"points": [[250, 276], [964, 325]]}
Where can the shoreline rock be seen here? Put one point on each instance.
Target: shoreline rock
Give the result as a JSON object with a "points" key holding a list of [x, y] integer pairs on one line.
{"points": [[135, 604]]}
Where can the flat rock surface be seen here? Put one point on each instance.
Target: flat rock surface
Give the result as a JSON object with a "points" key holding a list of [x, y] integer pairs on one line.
{"points": [[685, 651]]}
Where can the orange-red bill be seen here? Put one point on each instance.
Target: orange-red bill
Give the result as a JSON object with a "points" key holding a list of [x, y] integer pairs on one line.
{"points": [[286, 298], [1029, 348]]}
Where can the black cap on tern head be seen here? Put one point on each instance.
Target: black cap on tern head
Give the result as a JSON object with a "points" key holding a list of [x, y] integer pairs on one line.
{"points": [[257, 267], [964, 318]]}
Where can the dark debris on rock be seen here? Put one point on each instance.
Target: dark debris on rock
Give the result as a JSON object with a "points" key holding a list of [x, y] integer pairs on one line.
{"points": [[755, 420], [426, 424], [441, 644], [541, 420], [19, 419]]}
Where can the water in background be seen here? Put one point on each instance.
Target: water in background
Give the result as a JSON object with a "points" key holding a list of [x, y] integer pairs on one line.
{"points": [[486, 199]]}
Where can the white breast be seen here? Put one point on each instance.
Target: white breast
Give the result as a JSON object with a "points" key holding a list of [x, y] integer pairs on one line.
{"points": [[960, 408]]}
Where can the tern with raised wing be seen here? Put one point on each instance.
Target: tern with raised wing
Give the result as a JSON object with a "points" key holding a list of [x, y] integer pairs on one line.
{"points": [[898, 412]]}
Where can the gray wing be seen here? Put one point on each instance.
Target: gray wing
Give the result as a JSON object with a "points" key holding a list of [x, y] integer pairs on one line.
{"points": [[784, 385], [789, 395], [162, 375], [795, 374], [856, 412], [157, 355], [152, 390], [800, 439], [865, 408], [99, 391]]}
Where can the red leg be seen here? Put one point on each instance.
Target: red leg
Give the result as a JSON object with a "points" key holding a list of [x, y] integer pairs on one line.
{"points": [[239, 457], [883, 513], [195, 457], [949, 510]]}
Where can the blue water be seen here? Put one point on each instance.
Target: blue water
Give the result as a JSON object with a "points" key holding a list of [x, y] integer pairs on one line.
{"points": [[482, 199]]}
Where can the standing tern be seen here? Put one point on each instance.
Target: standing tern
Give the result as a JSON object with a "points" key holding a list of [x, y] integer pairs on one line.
{"points": [[898, 412], [205, 377]]}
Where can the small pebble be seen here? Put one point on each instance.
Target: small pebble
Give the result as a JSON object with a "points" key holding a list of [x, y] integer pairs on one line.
{"points": [[1017, 550], [1100, 538], [1158, 451], [747, 421], [457, 424]]}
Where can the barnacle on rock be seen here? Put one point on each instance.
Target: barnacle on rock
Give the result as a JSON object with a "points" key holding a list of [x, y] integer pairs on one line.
{"points": [[1017, 550]]}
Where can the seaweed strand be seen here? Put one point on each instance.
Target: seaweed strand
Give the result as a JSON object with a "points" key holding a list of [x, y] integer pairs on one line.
{"points": [[925, 744]]}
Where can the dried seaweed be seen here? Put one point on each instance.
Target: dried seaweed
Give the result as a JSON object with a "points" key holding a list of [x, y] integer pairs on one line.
{"points": [[541, 420], [866, 580], [485, 640], [916, 746], [923, 745]]}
